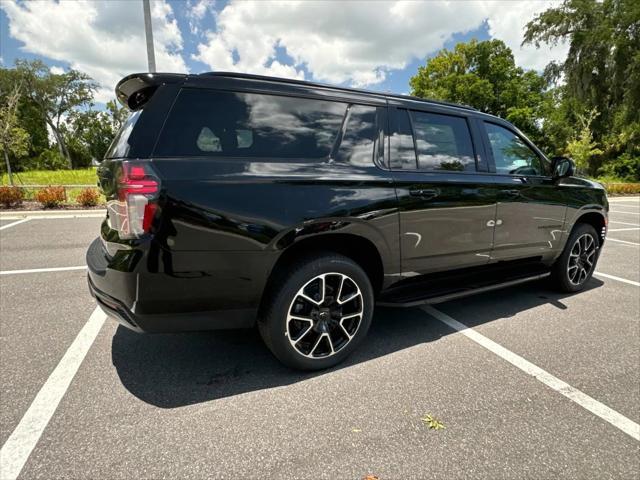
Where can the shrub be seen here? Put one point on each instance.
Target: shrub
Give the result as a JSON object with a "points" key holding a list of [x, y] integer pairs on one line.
{"points": [[50, 197], [11, 196], [622, 188], [88, 197], [49, 159], [625, 167]]}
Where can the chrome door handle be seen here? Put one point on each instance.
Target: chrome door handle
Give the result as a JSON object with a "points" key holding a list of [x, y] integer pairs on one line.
{"points": [[510, 193], [426, 193]]}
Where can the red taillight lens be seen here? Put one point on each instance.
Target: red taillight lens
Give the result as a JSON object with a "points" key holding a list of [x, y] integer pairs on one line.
{"points": [[132, 214]]}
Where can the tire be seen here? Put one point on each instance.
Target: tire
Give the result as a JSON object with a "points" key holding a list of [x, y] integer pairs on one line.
{"points": [[309, 330], [575, 266]]}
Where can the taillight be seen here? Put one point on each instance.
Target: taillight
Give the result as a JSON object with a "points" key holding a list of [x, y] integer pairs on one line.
{"points": [[137, 190]]}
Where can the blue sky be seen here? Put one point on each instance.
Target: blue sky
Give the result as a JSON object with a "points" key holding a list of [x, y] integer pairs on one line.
{"points": [[375, 45]]}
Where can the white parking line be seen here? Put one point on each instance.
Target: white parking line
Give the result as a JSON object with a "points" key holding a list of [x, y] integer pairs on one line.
{"points": [[42, 270], [585, 401], [623, 229], [53, 217], [620, 211], [621, 241], [21, 442], [624, 223], [619, 279], [624, 199], [9, 225], [51, 213]]}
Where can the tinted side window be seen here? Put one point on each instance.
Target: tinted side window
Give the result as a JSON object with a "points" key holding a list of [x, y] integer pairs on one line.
{"points": [[216, 123], [511, 155], [356, 146], [443, 142], [120, 145], [403, 153]]}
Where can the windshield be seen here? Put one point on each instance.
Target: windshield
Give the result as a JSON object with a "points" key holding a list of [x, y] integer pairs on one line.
{"points": [[120, 145]]}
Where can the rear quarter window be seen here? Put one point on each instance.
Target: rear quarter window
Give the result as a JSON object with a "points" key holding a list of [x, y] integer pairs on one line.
{"points": [[120, 145], [237, 124]]}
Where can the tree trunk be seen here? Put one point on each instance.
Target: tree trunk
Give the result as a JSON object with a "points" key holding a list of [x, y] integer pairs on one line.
{"points": [[6, 159], [62, 146]]}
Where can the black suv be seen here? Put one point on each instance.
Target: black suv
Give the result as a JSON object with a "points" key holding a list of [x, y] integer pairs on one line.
{"points": [[237, 199]]}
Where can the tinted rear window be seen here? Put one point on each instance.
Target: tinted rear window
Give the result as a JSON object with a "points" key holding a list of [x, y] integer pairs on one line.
{"points": [[443, 142], [403, 153], [356, 146], [233, 124]]}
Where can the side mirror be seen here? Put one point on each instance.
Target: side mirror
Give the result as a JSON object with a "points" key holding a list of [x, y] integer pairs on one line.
{"points": [[563, 167]]}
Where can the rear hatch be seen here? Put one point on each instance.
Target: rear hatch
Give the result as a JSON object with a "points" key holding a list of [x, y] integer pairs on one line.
{"points": [[126, 176]]}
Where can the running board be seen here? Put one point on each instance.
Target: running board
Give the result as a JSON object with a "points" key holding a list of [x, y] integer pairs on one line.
{"points": [[463, 293]]}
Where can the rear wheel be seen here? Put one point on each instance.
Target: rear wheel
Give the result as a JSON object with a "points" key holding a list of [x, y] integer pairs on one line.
{"points": [[578, 261], [319, 313]]}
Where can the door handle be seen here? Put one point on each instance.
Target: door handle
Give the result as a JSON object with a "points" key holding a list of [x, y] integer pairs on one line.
{"points": [[427, 193], [510, 193]]}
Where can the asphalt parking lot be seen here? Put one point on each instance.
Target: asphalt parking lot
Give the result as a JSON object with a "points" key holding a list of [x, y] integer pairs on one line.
{"points": [[528, 383]]}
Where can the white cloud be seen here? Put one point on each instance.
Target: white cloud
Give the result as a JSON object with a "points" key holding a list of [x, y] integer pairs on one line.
{"points": [[57, 70], [359, 41], [196, 11], [507, 22], [103, 39]]}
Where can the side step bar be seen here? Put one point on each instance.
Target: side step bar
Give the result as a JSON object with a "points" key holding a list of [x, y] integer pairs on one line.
{"points": [[463, 293]]}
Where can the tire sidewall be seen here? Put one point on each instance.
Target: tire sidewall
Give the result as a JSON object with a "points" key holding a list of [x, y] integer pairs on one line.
{"points": [[560, 271], [274, 322]]}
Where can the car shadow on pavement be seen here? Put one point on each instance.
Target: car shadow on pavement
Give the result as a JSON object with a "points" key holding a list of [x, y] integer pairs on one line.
{"points": [[174, 370]]}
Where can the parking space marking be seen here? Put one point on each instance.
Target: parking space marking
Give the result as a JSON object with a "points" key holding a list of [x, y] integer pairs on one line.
{"points": [[23, 439], [12, 224], [54, 217], [626, 229], [585, 401], [620, 211], [619, 279], [42, 270], [625, 199], [624, 223], [621, 241]]}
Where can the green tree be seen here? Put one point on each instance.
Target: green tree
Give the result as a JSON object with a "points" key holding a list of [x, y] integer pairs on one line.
{"points": [[484, 75], [582, 149], [117, 115], [602, 68], [89, 133], [28, 118], [13, 139], [56, 96]]}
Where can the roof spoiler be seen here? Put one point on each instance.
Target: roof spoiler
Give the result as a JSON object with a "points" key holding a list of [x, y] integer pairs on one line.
{"points": [[134, 90]]}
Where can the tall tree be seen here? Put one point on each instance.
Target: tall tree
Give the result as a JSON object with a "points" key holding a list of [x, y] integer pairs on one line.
{"points": [[117, 114], [602, 69], [13, 139], [56, 95], [484, 75], [29, 118], [89, 132]]}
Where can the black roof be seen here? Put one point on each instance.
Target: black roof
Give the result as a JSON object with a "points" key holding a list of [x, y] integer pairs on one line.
{"points": [[332, 87], [133, 89]]}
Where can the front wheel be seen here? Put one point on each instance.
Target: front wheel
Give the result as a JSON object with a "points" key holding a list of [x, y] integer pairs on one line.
{"points": [[319, 314], [577, 263]]}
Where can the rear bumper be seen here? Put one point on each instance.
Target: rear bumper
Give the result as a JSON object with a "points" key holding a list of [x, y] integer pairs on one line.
{"points": [[141, 300]]}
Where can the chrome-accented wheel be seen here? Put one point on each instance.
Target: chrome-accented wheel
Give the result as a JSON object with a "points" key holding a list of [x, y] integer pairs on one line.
{"points": [[324, 315], [581, 259]]}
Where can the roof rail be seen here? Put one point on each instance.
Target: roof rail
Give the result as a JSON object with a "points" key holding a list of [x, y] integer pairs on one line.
{"points": [[333, 87]]}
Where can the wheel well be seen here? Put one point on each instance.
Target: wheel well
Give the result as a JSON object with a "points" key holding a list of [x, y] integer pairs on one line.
{"points": [[358, 249], [594, 219]]}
